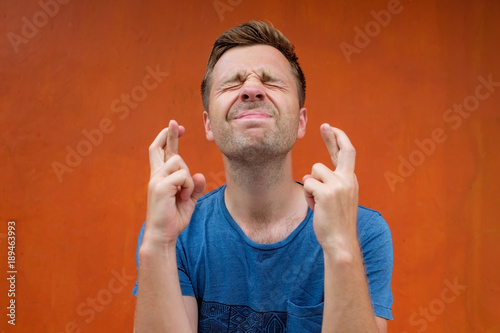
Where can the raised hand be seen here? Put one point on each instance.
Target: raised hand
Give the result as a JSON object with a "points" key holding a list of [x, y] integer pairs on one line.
{"points": [[333, 195], [172, 191]]}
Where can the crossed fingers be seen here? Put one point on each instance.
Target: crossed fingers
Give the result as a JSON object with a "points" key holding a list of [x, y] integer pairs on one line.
{"points": [[322, 181], [339, 147], [165, 145]]}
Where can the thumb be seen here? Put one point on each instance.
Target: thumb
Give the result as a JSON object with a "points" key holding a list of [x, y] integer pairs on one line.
{"points": [[199, 186], [307, 192]]}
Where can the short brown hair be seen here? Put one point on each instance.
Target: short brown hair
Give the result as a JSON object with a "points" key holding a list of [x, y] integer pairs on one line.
{"points": [[253, 33]]}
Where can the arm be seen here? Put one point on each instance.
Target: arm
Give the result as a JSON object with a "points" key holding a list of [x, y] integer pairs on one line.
{"points": [[172, 195], [333, 195]]}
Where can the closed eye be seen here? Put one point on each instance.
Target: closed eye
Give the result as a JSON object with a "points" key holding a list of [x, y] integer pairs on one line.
{"points": [[275, 85], [272, 81], [231, 86], [233, 82]]}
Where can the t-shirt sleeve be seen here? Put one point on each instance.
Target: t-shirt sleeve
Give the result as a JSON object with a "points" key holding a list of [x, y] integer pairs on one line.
{"points": [[182, 268], [185, 281], [376, 244]]}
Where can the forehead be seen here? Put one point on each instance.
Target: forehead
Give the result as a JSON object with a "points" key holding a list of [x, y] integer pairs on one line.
{"points": [[254, 58]]}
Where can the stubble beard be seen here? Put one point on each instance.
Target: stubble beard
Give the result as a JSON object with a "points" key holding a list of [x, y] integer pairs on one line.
{"points": [[269, 147], [273, 144], [251, 156]]}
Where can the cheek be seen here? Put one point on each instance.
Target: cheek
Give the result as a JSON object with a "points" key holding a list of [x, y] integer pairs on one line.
{"points": [[284, 102], [218, 126], [221, 106], [230, 97]]}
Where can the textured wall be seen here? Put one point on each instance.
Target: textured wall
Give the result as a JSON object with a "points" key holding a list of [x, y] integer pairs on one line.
{"points": [[86, 85]]}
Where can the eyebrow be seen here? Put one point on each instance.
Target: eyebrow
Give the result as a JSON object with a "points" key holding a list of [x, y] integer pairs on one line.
{"points": [[234, 77], [268, 76], [265, 75]]}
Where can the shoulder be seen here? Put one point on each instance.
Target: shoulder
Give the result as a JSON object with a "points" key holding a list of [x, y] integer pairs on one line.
{"points": [[208, 204], [369, 218], [372, 226], [207, 211], [211, 198]]}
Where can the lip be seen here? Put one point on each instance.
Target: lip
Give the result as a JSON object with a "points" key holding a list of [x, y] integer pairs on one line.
{"points": [[253, 114]]}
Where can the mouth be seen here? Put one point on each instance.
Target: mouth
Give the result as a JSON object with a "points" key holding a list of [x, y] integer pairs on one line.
{"points": [[253, 114]]}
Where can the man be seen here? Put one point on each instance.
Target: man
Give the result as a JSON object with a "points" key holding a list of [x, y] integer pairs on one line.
{"points": [[263, 253]]}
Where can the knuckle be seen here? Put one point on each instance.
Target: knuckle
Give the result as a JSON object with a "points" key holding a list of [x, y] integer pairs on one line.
{"points": [[176, 158], [341, 187], [317, 166], [350, 150], [153, 185], [331, 192], [173, 159], [184, 173]]}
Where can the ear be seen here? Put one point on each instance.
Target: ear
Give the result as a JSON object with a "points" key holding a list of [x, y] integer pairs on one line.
{"points": [[208, 126], [302, 123]]}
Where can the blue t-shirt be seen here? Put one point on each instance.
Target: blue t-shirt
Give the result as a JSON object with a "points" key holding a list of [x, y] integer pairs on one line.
{"points": [[244, 286]]}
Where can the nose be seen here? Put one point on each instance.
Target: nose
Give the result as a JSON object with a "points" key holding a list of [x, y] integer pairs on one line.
{"points": [[252, 92]]}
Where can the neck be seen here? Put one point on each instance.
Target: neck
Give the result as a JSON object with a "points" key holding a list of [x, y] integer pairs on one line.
{"points": [[263, 198]]}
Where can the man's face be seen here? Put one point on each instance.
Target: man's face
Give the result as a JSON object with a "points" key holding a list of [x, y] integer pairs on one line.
{"points": [[254, 112]]}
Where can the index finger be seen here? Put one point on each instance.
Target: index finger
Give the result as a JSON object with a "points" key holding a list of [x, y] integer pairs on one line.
{"points": [[156, 153], [172, 145], [339, 147]]}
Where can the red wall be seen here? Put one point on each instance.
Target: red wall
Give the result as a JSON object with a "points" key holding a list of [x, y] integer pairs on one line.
{"points": [[76, 228]]}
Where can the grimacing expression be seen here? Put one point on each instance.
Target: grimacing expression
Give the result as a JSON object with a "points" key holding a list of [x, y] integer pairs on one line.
{"points": [[254, 111]]}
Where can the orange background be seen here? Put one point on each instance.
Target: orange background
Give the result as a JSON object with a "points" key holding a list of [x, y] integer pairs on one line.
{"points": [[75, 233]]}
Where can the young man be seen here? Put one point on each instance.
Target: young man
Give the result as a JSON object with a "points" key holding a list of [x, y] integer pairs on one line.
{"points": [[263, 253]]}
